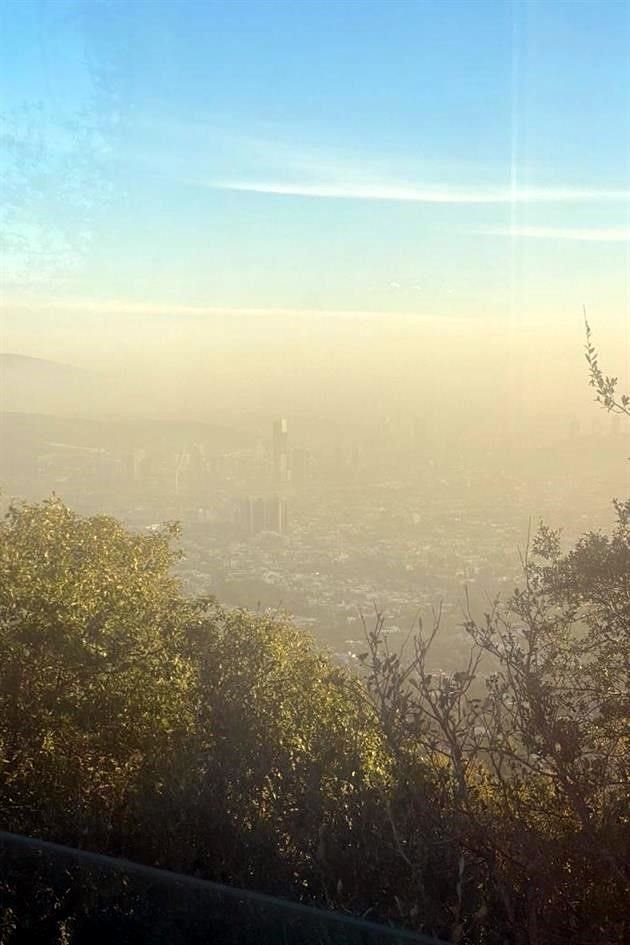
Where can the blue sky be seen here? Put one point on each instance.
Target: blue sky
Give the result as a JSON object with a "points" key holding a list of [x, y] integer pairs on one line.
{"points": [[441, 158]]}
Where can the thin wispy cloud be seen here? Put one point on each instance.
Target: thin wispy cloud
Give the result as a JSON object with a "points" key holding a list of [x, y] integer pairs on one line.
{"points": [[128, 307], [576, 234], [264, 159], [423, 194]]}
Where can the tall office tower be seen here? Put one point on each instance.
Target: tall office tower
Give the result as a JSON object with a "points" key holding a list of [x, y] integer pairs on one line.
{"points": [[276, 518], [182, 467], [300, 466], [280, 452], [284, 516], [135, 464]]}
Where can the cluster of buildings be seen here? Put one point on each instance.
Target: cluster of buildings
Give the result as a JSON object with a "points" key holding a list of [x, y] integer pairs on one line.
{"points": [[255, 515], [332, 531]]}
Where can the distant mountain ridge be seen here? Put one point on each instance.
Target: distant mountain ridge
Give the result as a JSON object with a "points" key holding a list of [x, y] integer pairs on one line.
{"points": [[10, 360], [33, 384]]}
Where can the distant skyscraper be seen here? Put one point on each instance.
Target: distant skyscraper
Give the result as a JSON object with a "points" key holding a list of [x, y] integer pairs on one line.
{"points": [[300, 466], [276, 519], [280, 452], [136, 465], [182, 465], [191, 473]]}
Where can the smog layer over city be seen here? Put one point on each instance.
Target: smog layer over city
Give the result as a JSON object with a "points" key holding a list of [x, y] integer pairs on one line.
{"points": [[324, 466]]}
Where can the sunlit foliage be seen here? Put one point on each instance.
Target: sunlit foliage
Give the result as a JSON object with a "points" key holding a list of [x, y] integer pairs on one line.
{"points": [[486, 806]]}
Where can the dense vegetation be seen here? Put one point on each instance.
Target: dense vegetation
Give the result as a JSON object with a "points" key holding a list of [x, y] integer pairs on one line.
{"points": [[490, 806], [487, 806]]}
